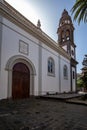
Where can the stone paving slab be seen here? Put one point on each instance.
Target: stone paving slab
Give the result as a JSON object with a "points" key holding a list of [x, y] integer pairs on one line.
{"points": [[38, 114]]}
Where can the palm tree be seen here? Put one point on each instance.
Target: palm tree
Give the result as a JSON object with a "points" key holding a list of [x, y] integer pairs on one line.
{"points": [[80, 10]]}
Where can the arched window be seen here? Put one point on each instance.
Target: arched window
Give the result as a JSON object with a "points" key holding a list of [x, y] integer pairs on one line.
{"points": [[66, 21], [65, 72], [51, 66], [67, 34], [63, 37]]}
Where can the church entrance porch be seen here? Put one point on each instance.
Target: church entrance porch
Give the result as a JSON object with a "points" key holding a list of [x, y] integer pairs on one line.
{"points": [[20, 81]]}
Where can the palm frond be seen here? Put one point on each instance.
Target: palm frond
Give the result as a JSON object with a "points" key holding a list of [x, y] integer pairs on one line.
{"points": [[76, 5], [83, 15], [80, 10]]}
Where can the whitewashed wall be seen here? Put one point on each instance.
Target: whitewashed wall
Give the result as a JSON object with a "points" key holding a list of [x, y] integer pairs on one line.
{"points": [[65, 83], [49, 83]]}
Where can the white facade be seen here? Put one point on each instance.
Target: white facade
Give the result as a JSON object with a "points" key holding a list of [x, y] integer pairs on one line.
{"points": [[19, 43]]}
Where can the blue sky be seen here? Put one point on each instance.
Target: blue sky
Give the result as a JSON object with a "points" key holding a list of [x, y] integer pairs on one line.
{"points": [[49, 13]]}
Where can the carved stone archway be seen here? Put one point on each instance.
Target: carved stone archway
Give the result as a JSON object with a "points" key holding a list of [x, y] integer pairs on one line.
{"points": [[9, 67]]}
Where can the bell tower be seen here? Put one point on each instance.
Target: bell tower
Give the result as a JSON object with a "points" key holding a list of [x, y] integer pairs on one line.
{"points": [[65, 34], [66, 41]]}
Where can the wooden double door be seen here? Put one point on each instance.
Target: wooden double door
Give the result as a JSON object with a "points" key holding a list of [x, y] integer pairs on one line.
{"points": [[20, 81]]}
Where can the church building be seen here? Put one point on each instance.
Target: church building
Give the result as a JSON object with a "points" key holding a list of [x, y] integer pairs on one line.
{"points": [[32, 63]]}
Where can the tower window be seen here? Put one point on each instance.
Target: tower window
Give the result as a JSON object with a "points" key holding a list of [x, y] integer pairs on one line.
{"points": [[67, 35], [65, 21], [63, 37], [68, 22], [67, 38]]}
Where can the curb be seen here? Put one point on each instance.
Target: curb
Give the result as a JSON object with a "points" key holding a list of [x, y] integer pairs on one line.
{"points": [[77, 103]]}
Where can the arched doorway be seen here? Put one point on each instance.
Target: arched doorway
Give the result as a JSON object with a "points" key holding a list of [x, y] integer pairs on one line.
{"points": [[20, 81]]}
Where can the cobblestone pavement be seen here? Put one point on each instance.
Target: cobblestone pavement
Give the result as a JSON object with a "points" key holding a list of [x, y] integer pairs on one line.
{"points": [[38, 114]]}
